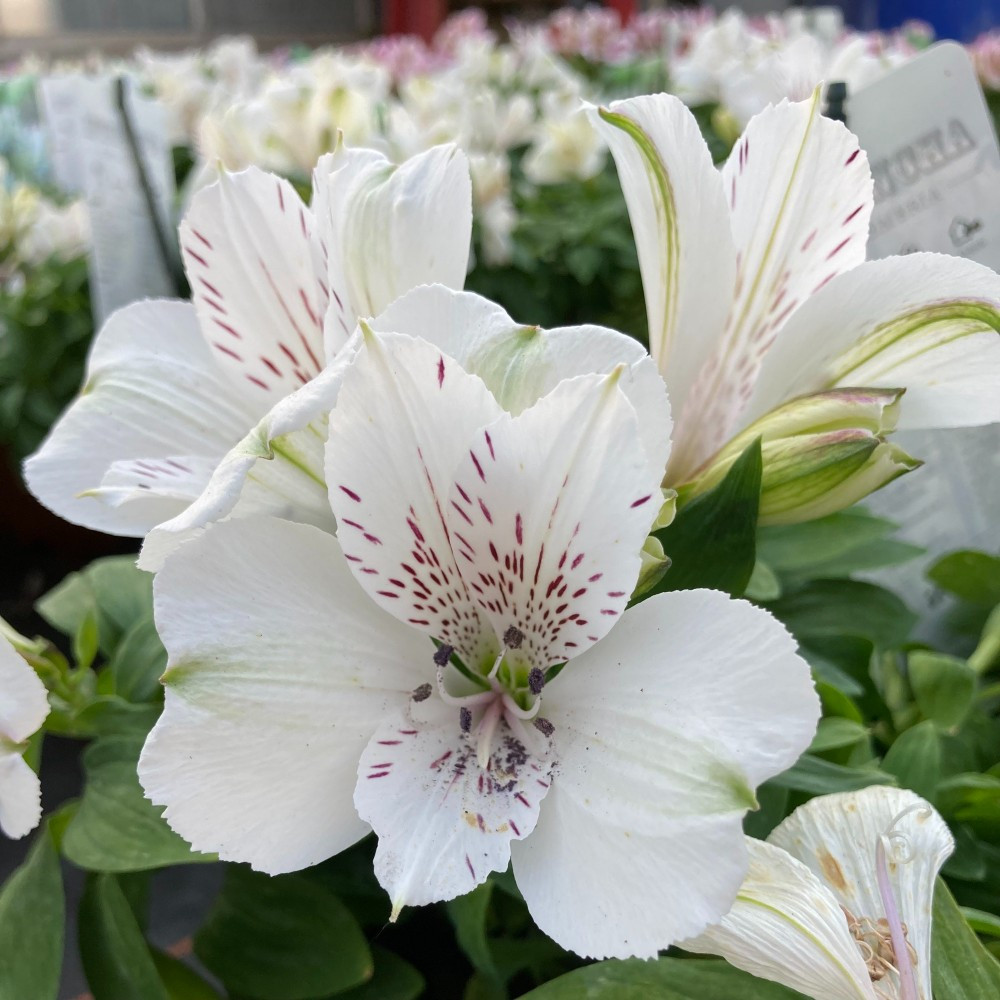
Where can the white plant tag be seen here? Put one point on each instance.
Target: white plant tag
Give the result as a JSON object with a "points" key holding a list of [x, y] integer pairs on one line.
{"points": [[126, 263], [61, 112], [934, 156]]}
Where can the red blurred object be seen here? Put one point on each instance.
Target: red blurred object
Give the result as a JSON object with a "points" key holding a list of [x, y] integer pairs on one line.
{"points": [[414, 17], [424, 17]]}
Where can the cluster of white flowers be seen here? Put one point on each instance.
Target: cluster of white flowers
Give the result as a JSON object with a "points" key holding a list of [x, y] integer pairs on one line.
{"points": [[34, 228]]}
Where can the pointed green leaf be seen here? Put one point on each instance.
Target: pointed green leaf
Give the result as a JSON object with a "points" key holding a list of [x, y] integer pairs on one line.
{"points": [[961, 968]]}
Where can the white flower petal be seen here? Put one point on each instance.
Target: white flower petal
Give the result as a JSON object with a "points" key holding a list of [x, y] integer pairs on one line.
{"points": [[279, 671], [24, 704], [277, 469], [177, 477], [258, 280], [388, 229], [928, 323], [443, 822], [786, 926], [548, 514], [682, 233], [835, 836], [405, 416], [520, 364], [20, 794], [800, 192], [662, 732], [23, 707], [153, 391]]}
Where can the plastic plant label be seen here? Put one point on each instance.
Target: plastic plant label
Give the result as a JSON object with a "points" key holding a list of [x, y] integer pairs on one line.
{"points": [[934, 157]]}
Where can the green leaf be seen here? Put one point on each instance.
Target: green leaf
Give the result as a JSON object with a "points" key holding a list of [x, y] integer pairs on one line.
{"points": [[981, 921], [181, 982], [468, 914], [819, 777], [664, 979], [961, 968], [116, 828], [764, 585], [915, 759], [836, 608], [85, 640], [116, 958], [810, 548], [834, 733], [971, 798], [973, 576], [943, 686], [282, 938], [394, 979], [138, 661], [31, 925], [113, 589], [712, 541]]}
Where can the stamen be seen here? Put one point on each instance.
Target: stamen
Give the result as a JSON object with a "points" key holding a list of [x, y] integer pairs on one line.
{"points": [[513, 637], [443, 654], [544, 726], [511, 708], [465, 719], [480, 698], [536, 680], [422, 693]]}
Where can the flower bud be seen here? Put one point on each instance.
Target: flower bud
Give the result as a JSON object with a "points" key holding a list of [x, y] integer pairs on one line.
{"points": [[821, 453]]}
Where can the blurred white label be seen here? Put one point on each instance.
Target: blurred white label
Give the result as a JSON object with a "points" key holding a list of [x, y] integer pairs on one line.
{"points": [[59, 102], [934, 156], [125, 261]]}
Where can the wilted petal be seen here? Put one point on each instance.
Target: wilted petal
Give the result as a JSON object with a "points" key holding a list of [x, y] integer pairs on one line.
{"points": [[836, 837], [662, 732], [548, 515], [257, 275], [786, 926], [520, 364], [280, 669], [680, 220], [388, 229], [926, 322], [443, 822], [153, 392], [800, 192], [406, 414]]}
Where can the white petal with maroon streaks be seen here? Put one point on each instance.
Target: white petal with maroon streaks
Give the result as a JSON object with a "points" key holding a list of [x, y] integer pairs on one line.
{"points": [[279, 670], [443, 822], [406, 414], [153, 391], [390, 228], [520, 364], [926, 322], [548, 514], [681, 225], [258, 280], [800, 192]]}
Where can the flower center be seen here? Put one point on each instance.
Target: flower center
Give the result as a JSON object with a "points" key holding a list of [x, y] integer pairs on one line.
{"points": [[511, 696]]}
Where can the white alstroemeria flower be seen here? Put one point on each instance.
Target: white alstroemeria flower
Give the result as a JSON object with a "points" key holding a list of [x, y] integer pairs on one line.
{"points": [[758, 292], [838, 901], [503, 517], [277, 289], [23, 707]]}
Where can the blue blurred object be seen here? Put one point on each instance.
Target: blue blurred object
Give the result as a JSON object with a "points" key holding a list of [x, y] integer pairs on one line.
{"points": [[960, 19]]}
